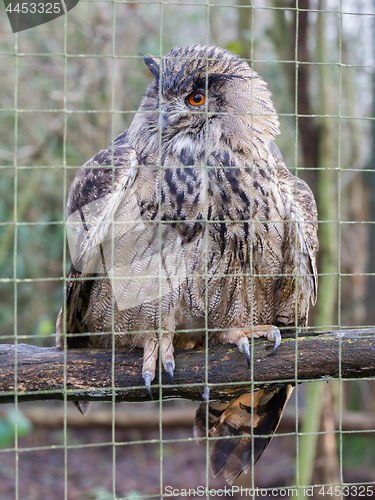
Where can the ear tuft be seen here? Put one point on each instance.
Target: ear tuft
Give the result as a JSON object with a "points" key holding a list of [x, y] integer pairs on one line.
{"points": [[153, 65]]}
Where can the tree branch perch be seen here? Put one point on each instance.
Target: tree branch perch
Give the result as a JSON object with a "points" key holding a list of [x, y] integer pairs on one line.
{"points": [[91, 375]]}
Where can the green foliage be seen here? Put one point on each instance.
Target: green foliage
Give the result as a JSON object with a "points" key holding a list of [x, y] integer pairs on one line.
{"points": [[103, 494], [98, 494], [358, 451], [9, 423], [134, 495]]}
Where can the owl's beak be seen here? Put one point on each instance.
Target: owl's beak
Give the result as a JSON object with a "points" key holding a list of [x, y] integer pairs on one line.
{"points": [[166, 118], [162, 122]]}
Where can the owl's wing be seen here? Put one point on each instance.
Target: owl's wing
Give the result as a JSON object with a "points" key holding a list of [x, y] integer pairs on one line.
{"points": [[95, 181], [307, 207], [299, 249], [303, 210]]}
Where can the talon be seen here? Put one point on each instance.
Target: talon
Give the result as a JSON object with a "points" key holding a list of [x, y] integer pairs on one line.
{"points": [[147, 379], [243, 346], [277, 339], [170, 370]]}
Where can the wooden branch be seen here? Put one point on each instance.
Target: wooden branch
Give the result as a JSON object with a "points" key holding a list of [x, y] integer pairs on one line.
{"points": [[91, 375]]}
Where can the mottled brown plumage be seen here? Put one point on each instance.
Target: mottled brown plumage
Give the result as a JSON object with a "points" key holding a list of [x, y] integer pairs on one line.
{"points": [[190, 223]]}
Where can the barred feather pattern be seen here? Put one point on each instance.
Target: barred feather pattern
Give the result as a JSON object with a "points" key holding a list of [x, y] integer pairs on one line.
{"points": [[240, 227]]}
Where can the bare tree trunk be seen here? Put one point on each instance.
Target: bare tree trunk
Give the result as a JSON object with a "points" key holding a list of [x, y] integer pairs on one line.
{"points": [[283, 34], [245, 16], [370, 178]]}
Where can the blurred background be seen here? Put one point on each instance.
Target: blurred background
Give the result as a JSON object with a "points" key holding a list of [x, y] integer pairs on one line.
{"points": [[68, 88]]}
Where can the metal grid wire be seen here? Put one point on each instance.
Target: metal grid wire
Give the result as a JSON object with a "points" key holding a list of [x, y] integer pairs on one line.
{"points": [[87, 63]]}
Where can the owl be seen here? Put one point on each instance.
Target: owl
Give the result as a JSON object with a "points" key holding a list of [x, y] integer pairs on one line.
{"points": [[190, 231]]}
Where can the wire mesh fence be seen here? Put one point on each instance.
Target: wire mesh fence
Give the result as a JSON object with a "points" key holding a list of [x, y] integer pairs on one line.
{"points": [[69, 88]]}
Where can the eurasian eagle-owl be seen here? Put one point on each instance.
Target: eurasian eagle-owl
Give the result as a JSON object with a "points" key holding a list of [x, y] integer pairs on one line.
{"points": [[189, 225]]}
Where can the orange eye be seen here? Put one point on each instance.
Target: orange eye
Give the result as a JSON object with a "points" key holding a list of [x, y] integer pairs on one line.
{"points": [[197, 98]]}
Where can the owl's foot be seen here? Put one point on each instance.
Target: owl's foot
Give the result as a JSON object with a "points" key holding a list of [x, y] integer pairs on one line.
{"points": [[167, 354], [150, 357], [241, 338]]}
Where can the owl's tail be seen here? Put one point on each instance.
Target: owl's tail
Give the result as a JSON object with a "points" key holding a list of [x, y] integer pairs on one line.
{"points": [[246, 425]]}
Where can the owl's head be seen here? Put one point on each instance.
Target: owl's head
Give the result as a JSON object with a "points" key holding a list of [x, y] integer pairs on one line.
{"points": [[207, 88]]}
